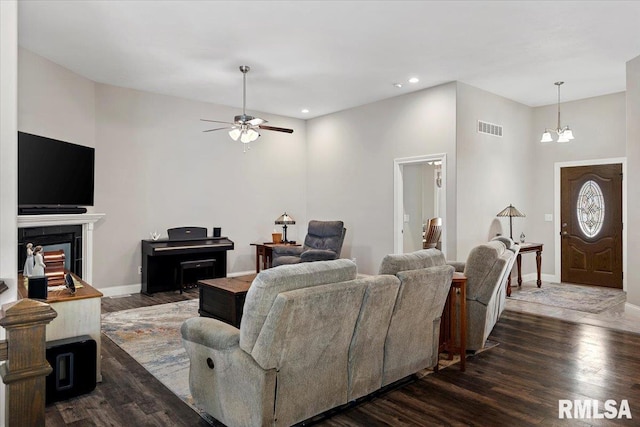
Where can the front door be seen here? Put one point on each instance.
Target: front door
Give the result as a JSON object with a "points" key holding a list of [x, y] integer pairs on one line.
{"points": [[591, 225]]}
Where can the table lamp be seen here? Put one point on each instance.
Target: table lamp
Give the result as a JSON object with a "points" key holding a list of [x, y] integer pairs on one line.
{"points": [[285, 220], [510, 211]]}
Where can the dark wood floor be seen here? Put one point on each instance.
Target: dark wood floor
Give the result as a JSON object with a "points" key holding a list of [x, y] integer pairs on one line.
{"points": [[539, 360]]}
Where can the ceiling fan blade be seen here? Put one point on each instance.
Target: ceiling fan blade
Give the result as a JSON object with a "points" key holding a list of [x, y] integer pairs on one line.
{"points": [[216, 121], [277, 129], [211, 130], [256, 121]]}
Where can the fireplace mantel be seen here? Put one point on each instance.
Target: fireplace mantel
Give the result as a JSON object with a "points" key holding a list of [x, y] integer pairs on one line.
{"points": [[86, 220]]}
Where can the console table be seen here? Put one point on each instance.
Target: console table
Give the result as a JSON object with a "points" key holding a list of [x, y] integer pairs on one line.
{"points": [[525, 248], [78, 314], [449, 327], [265, 251]]}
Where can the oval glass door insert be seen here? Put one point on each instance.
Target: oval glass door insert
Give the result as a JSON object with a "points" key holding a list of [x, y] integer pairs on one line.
{"points": [[590, 208]]}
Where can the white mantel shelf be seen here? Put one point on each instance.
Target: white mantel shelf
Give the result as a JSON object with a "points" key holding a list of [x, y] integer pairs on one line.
{"points": [[85, 220], [25, 221]]}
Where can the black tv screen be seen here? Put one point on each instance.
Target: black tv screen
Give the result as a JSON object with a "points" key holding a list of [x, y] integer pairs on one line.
{"points": [[54, 173]]}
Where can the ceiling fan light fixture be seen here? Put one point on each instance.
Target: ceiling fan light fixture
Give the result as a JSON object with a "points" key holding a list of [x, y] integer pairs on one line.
{"points": [[234, 134]]}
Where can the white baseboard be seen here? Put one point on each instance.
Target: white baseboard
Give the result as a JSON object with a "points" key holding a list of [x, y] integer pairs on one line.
{"points": [[632, 308], [241, 273], [532, 277], [121, 290], [115, 291]]}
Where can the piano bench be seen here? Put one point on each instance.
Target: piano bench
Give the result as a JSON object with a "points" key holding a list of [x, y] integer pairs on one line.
{"points": [[194, 266]]}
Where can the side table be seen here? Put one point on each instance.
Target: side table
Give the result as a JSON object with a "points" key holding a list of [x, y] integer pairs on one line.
{"points": [[449, 327], [223, 298], [524, 248], [265, 251]]}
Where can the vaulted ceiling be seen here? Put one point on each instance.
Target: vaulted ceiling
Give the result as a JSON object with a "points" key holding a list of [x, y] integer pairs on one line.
{"points": [[327, 56]]}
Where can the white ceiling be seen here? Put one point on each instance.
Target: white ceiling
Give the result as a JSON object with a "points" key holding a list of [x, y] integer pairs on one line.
{"points": [[331, 55]]}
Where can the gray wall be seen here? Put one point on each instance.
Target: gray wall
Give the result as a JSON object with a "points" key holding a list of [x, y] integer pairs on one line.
{"points": [[633, 177], [350, 165], [598, 125], [156, 169], [492, 171]]}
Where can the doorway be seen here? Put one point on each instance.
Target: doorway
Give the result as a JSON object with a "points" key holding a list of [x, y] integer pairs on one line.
{"points": [[590, 246], [419, 194]]}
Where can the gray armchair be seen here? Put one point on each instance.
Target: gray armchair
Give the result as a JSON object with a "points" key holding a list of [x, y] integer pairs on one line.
{"points": [[323, 243]]}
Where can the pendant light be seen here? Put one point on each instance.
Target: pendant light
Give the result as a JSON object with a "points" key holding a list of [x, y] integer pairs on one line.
{"points": [[564, 133]]}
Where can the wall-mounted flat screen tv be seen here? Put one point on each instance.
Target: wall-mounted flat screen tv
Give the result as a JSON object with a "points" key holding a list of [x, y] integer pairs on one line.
{"points": [[54, 173]]}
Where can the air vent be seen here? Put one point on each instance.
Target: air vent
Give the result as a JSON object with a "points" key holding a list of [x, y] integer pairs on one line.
{"points": [[489, 128]]}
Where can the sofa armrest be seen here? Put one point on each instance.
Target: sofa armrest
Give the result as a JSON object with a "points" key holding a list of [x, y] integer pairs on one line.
{"points": [[318, 255], [458, 265], [287, 251], [210, 333]]}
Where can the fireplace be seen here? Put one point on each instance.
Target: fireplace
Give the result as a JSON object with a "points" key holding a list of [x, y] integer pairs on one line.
{"points": [[58, 237]]}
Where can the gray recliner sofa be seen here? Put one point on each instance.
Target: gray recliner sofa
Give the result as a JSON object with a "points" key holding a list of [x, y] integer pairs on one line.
{"points": [[487, 269], [313, 336]]}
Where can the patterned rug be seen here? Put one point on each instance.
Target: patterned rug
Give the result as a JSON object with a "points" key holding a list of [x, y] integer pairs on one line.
{"points": [[590, 299], [151, 335]]}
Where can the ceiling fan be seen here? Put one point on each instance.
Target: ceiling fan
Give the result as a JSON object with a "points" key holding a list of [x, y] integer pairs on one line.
{"points": [[245, 128]]}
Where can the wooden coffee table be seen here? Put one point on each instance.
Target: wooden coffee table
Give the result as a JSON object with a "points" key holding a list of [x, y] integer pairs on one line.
{"points": [[223, 298]]}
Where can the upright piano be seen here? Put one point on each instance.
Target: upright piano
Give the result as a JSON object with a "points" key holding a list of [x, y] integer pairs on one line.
{"points": [[162, 260]]}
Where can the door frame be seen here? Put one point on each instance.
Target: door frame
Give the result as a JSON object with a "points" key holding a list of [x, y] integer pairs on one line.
{"points": [[398, 196], [557, 202]]}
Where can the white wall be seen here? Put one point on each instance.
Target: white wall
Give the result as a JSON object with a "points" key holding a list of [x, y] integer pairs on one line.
{"points": [[8, 160], [633, 177], [156, 169], [598, 125], [492, 171], [350, 165]]}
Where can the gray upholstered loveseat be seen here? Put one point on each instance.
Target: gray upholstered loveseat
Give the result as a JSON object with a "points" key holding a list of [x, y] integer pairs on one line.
{"points": [[314, 336], [487, 269]]}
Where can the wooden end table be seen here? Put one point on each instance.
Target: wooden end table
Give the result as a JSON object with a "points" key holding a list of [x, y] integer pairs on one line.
{"points": [[524, 248], [223, 298], [265, 251], [449, 329]]}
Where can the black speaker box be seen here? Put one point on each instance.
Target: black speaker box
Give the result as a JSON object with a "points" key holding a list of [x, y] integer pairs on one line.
{"points": [[74, 368], [217, 231], [38, 287]]}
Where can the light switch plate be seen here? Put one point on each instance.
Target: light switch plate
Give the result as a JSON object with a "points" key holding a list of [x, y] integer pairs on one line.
{"points": [[548, 217], [407, 218]]}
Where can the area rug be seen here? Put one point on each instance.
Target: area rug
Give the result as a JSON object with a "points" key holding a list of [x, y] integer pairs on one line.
{"points": [[590, 299], [151, 335]]}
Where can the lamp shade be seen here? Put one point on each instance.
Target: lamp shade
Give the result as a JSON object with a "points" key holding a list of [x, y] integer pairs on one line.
{"points": [[510, 211], [546, 137], [285, 219]]}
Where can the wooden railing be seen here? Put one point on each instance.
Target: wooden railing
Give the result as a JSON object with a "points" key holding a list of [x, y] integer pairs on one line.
{"points": [[26, 366]]}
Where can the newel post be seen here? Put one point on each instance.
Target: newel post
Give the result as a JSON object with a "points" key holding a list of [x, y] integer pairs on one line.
{"points": [[26, 365]]}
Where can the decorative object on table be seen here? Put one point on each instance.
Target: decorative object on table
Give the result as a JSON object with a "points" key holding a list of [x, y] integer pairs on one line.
{"points": [[38, 287], [217, 231], [27, 271], [564, 133], [246, 128], [323, 243], [276, 237], [55, 270], [510, 211], [68, 283], [285, 220], [154, 235], [38, 262], [522, 237]]}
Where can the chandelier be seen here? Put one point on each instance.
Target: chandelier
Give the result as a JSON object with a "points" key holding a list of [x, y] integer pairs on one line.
{"points": [[564, 133]]}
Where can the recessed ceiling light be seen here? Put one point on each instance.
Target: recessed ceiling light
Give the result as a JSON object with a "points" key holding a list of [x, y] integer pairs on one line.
{"points": [[304, 110], [414, 80], [398, 85]]}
